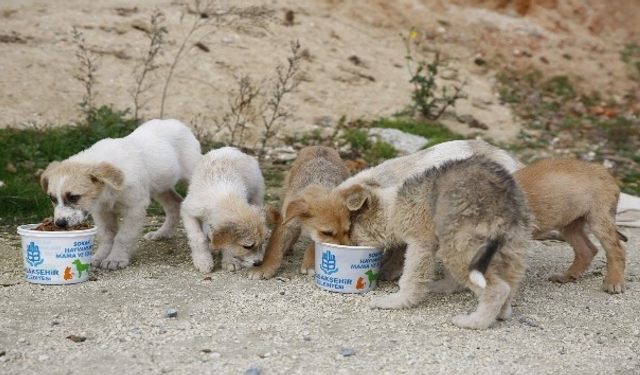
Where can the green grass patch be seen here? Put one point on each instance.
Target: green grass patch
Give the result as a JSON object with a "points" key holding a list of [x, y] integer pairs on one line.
{"points": [[435, 132], [26, 151]]}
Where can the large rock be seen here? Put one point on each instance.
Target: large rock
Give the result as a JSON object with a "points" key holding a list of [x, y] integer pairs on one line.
{"points": [[404, 143]]}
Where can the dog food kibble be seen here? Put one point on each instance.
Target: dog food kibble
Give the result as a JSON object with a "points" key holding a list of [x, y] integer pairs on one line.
{"points": [[47, 225], [172, 313]]}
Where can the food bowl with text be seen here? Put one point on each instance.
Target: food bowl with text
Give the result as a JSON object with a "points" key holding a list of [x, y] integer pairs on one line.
{"points": [[347, 269], [56, 257]]}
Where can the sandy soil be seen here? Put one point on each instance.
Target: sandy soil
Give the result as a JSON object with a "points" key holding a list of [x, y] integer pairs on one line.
{"points": [[229, 324], [354, 55]]}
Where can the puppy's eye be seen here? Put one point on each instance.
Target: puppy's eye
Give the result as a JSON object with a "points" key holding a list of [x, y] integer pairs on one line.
{"points": [[53, 199], [328, 233], [72, 198], [249, 247]]}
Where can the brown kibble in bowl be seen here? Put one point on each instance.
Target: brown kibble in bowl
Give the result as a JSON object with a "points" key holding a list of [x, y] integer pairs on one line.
{"points": [[47, 225]]}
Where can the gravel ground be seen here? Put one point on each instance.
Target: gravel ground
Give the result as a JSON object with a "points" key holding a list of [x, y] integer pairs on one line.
{"points": [[228, 324]]}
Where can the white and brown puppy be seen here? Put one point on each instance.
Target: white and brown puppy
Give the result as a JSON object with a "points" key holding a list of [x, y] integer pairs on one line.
{"points": [[316, 170], [331, 208], [114, 181], [568, 195], [223, 210], [470, 214]]}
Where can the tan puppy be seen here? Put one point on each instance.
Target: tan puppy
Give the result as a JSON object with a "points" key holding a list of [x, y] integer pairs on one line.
{"points": [[223, 210], [567, 195], [316, 170], [470, 214], [330, 207], [114, 181]]}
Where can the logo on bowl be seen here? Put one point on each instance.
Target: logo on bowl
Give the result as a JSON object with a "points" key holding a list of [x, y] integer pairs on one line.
{"points": [[33, 255], [328, 264]]}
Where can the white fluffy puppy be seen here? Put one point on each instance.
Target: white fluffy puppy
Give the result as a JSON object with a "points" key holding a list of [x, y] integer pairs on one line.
{"points": [[114, 181], [223, 210]]}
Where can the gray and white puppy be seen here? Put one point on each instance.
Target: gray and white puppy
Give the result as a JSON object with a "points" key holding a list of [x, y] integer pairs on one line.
{"points": [[470, 214]]}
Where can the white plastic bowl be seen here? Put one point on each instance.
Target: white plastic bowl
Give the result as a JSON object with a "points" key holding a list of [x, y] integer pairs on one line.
{"points": [[56, 257], [347, 269]]}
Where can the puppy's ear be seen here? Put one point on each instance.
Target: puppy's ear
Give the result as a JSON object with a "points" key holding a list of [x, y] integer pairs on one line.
{"points": [[296, 209], [223, 237], [44, 177], [356, 197], [108, 174]]}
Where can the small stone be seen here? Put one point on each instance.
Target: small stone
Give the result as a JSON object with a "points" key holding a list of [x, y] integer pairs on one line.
{"points": [[254, 371], [76, 338], [529, 322], [172, 313], [602, 340], [347, 352], [43, 357], [563, 351]]}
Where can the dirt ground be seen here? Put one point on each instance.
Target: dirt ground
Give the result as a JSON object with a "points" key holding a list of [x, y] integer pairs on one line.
{"points": [[353, 67], [354, 56], [229, 324]]}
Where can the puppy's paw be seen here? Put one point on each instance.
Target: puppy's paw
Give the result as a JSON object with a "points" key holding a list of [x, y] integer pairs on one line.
{"points": [[394, 301], [96, 261], [505, 312], [563, 279], [158, 235], [259, 273], [613, 287], [470, 321], [114, 264], [307, 270], [231, 265], [203, 265]]}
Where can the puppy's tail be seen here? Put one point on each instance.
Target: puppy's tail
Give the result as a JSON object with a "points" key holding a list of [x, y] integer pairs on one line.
{"points": [[481, 261]]}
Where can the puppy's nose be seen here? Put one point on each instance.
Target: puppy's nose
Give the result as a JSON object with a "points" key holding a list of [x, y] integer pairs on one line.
{"points": [[256, 263], [62, 223]]}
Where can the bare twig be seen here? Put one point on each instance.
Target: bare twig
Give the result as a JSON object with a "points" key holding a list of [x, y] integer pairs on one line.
{"points": [[86, 73], [205, 15], [286, 82], [156, 41], [241, 110]]}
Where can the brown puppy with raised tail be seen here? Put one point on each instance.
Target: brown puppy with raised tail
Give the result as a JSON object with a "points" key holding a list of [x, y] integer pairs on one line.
{"points": [[316, 170], [470, 214], [567, 195]]}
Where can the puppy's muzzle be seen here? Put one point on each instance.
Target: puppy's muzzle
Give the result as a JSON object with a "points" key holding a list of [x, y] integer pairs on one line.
{"points": [[61, 222]]}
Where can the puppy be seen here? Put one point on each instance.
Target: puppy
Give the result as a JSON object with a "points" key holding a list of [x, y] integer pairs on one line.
{"points": [[567, 195], [331, 207], [114, 181], [223, 210], [470, 214], [315, 171]]}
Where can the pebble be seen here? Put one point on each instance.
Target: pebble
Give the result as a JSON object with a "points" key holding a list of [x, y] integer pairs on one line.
{"points": [[172, 313], [254, 371], [347, 352], [43, 357]]}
